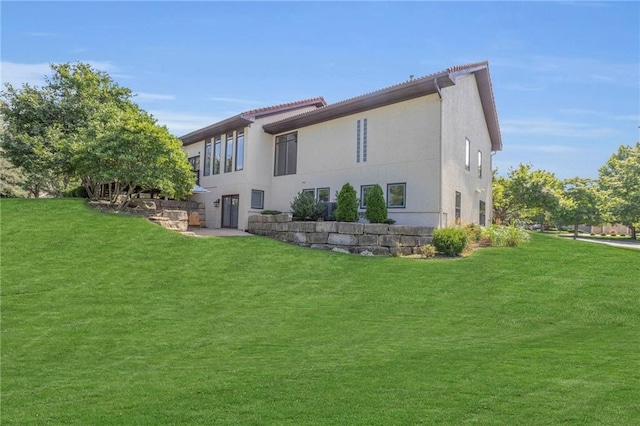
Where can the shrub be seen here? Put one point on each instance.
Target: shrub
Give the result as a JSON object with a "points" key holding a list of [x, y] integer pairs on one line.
{"points": [[270, 212], [305, 207], [390, 221], [592, 234], [613, 232], [603, 235], [473, 231], [78, 192], [623, 235], [507, 236], [376, 206], [347, 209], [450, 241], [428, 250]]}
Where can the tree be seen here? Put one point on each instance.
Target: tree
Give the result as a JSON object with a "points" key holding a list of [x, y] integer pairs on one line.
{"points": [[134, 154], [305, 207], [11, 179], [347, 200], [528, 195], [376, 207], [620, 181], [579, 204], [40, 122]]}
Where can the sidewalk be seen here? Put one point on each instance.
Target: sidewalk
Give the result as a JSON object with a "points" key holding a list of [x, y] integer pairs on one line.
{"points": [[624, 244], [220, 232]]}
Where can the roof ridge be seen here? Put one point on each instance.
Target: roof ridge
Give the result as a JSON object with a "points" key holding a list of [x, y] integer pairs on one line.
{"points": [[318, 99]]}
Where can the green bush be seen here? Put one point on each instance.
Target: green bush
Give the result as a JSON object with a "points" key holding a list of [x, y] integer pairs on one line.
{"points": [[428, 250], [347, 209], [506, 236], [376, 206], [473, 231], [305, 207], [449, 241], [270, 212], [78, 192]]}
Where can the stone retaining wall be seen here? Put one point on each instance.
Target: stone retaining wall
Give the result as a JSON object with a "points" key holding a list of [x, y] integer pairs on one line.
{"points": [[355, 237]]}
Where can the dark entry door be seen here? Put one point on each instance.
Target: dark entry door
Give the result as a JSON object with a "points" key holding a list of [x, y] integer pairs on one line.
{"points": [[230, 205]]}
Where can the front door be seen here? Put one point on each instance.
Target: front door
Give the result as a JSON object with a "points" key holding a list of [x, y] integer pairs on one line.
{"points": [[230, 205]]}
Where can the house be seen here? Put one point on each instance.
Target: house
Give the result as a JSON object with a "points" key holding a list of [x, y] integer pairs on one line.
{"points": [[428, 142]]}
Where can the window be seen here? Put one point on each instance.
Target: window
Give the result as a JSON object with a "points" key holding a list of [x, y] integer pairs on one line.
{"points": [[483, 209], [195, 167], [361, 140], [311, 191], [364, 192], [458, 210], [217, 155], [286, 154], [323, 195], [228, 162], [396, 195], [207, 158], [257, 199], [480, 164], [239, 150], [467, 154]]}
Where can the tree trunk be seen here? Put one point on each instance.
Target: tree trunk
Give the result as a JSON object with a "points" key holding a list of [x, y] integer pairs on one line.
{"points": [[633, 232], [575, 231]]}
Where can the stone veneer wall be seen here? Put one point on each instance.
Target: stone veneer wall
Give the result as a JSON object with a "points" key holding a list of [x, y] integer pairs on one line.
{"points": [[355, 237]]}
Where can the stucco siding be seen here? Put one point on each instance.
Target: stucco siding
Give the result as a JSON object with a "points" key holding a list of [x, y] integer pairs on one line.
{"points": [[463, 118]]}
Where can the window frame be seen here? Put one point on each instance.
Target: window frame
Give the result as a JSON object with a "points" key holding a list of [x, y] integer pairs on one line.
{"points": [[328, 189], [217, 155], [207, 157], [482, 213], [261, 192], [467, 154], [404, 195], [239, 151], [290, 143], [228, 153], [363, 197], [458, 208], [479, 164], [311, 191]]}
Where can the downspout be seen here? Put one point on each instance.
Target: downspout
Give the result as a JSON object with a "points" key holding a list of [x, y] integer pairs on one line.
{"points": [[440, 190]]}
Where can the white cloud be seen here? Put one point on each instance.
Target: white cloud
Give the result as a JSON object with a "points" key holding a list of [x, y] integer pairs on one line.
{"points": [[151, 97], [17, 74], [181, 123], [551, 127], [236, 101], [628, 117]]}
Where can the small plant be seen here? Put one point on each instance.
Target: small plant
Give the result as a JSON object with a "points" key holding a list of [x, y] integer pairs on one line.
{"points": [[603, 234], [592, 234], [428, 251], [390, 221], [305, 207], [507, 236], [347, 208], [366, 253], [270, 212], [623, 235], [376, 207], [450, 241], [613, 233], [473, 231]]}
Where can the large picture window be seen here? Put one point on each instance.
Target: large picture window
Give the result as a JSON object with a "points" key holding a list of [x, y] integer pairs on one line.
{"points": [[396, 195], [207, 158], [286, 156], [257, 199], [239, 150], [217, 155], [228, 162]]}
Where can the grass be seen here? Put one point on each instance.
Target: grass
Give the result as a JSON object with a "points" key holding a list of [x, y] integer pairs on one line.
{"points": [[109, 319]]}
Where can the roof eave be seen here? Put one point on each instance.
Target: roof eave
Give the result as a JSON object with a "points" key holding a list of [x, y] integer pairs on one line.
{"points": [[235, 122]]}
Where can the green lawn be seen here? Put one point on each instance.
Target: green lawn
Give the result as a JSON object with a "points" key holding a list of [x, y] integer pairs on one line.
{"points": [[108, 319]]}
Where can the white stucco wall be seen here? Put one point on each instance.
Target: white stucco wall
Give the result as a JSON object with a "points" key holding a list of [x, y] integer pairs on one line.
{"points": [[463, 118], [402, 147]]}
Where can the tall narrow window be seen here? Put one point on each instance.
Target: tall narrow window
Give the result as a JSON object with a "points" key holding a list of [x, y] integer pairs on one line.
{"points": [[195, 167], [364, 193], [286, 156], [364, 141], [239, 150], [217, 155], [458, 207], [479, 164], [228, 162], [467, 154], [483, 213], [358, 141], [207, 158]]}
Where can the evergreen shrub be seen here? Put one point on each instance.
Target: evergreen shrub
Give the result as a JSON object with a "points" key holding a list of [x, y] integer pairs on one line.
{"points": [[305, 207], [376, 206], [449, 241], [347, 209]]}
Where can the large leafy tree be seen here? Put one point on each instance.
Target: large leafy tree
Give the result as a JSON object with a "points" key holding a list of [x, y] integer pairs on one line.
{"points": [[580, 204], [526, 194], [620, 181], [40, 122], [83, 126], [12, 179]]}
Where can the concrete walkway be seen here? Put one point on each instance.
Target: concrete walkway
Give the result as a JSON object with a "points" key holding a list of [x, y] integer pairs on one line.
{"points": [[624, 244], [220, 232]]}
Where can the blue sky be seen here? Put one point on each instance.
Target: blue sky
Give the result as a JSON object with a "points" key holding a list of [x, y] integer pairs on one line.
{"points": [[566, 75]]}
